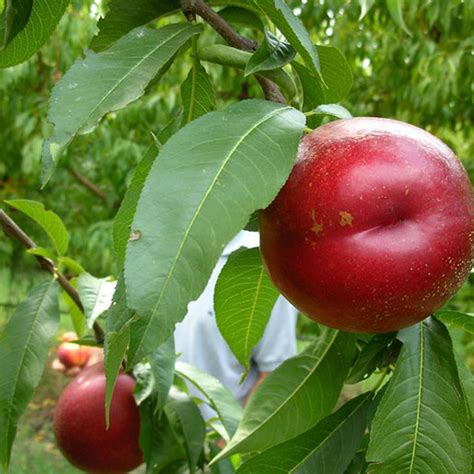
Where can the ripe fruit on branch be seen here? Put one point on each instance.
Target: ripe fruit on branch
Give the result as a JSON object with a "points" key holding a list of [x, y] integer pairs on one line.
{"points": [[374, 228], [79, 424], [73, 355]]}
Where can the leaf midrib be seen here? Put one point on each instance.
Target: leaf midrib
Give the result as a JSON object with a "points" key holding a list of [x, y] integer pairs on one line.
{"points": [[323, 441], [252, 314], [420, 395], [196, 214], [297, 388], [127, 74]]}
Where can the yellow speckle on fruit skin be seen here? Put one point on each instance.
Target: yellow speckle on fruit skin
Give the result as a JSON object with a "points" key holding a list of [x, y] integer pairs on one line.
{"points": [[346, 218], [317, 226]]}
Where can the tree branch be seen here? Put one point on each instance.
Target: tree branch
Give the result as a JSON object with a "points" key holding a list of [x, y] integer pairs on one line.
{"points": [[13, 230], [89, 185], [270, 89]]}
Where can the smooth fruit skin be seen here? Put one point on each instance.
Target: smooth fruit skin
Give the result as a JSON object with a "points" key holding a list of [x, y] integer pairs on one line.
{"points": [[79, 424], [374, 229], [73, 355]]}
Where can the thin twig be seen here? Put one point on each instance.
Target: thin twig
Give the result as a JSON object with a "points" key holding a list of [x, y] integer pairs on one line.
{"points": [[270, 89], [13, 230], [89, 185]]}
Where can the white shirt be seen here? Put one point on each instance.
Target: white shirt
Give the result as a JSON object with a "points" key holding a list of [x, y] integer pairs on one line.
{"points": [[199, 342]]}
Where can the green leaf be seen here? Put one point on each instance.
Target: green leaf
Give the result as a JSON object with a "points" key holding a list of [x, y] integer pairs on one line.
{"points": [[336, 72], [162, 366], [219, 398], [42, 21], [77, 316], [328, 448], [243, 301], [170, 129], [298, 394], [337, 76], [242, 17], [124, 216], [42, 252], [252, 224], [123, 16], [157, 440], [335, 110], [107, 81], [272, 54], [95, 296], [14, 19], [293, 30], [421, 424], [210, 177], [50, 222], [369, 358], [117, 338], [395, 10], [23, 354], [73, 265], [457, 319], [187, 423], [197, 94], [145, 382]]}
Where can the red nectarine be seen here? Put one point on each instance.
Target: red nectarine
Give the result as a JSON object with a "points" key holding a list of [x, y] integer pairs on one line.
{"points": [[373, 230], [79, 424]]}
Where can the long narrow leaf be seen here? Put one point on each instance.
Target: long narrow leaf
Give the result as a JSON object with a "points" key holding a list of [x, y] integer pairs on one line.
{"points": [[108, 81], [328, 448], [23, 353], [243, 301], [296, 395], [421, 424], [210, 177], [42, 21]]}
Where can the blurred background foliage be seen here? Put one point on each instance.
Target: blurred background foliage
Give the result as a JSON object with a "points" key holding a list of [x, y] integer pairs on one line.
{"points": [[417, 68]]}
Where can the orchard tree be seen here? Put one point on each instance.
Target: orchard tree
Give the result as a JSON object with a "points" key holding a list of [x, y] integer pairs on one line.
{"points": [[403, 208]]}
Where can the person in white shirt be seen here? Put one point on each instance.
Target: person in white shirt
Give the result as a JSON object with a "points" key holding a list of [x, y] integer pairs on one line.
{"points": [[199, 342]]}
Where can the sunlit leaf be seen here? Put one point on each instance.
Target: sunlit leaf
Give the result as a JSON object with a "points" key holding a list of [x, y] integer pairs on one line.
{"points": [[107, 81], [210, 177], [95, 294], [296, 395], [243, 301], [335, 110], [50, 222]]}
